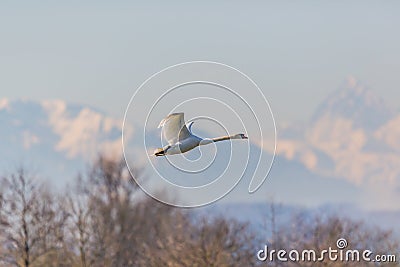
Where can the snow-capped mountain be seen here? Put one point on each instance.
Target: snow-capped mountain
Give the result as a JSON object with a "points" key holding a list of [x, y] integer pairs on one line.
{"points": [[349, 151], [55, 136], [58, 140], [354, 101], [351, 136]]}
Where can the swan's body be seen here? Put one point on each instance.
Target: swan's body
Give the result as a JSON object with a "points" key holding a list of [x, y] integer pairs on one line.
{"points": [[180, 137]]}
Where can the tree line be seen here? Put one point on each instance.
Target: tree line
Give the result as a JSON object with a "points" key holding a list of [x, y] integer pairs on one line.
{"points": [[105, 220]]}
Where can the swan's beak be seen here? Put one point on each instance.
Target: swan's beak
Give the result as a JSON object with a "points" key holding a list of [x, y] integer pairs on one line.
{"points": [[245, 137], [159, 152]]}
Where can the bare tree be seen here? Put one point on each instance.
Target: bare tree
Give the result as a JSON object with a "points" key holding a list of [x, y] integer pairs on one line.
{"points": [[219, 242], [114, 224], [105, 220], [186, 241], [165, 233], [78, 233], [31, 222], [102, 220]]}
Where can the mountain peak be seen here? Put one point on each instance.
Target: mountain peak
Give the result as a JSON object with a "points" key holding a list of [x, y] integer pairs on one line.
{"points": [[351, 82], [352, 85], [354, 101]]}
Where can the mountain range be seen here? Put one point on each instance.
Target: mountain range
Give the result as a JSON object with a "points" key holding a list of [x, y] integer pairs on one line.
{"points": [[347, 153]]}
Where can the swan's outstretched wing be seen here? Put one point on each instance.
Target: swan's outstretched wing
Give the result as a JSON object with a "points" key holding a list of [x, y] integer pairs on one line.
{"points": [[174, 128]]}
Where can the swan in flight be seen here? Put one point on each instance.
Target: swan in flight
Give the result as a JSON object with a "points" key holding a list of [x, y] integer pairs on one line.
{"points": [[180, 137]]}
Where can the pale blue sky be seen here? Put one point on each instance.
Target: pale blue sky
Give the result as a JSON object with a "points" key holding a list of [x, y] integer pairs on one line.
{"points": [[99, 52]]}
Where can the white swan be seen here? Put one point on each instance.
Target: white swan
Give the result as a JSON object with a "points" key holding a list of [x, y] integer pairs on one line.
{"points": [[180, 137]]}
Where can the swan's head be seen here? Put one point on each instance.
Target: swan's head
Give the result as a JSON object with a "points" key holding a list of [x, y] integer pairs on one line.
{"points": [[239, 136], [167, 150]]}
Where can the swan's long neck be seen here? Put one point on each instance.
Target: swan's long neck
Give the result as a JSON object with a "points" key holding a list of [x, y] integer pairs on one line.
{"points": [[222, 138], [217, 139]]}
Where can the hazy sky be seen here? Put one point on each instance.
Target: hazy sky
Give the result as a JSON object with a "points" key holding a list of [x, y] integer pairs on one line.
{"points": [[98, 52]]}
